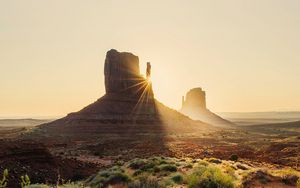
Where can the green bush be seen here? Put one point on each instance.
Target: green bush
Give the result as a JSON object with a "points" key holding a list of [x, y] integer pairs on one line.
{"points": [[137, 172], [168, 168], [137, 164], [148, 166], [107, 177], [233, 157], [145, 182], [209, 177], [177, 178], [163, 162], [203, 163], [188, 165], [214, 160]]}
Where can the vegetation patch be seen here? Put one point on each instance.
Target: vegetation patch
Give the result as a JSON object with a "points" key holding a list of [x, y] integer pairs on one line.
{"points": [[177, 178], [145, 182], [234, 157], [107, 177], [168, 167], [158, 172], [209, 177]]}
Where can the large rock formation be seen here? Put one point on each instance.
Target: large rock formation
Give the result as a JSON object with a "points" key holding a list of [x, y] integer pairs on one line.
{"points": [[122, 72], [194, 106], [122, 75], [129, 96]]}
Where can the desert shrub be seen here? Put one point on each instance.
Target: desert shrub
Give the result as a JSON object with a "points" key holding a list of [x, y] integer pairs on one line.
{"points": [[298, 183], [137, 172], [177, 178], [214, 160], [137, 163], [144, 165], [203, 163], [163, 162], [110, 176], [3, 182], [25, 181], [168, 183], [113, 179], [168, 167], [145, 182], [188, 166], [233, 157], [209, 177], [117, 168], [148, 166]]}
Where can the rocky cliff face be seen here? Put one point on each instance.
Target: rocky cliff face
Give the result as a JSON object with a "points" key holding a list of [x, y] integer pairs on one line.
{"points": [[194, 106], [121, 70], [122, 75]]}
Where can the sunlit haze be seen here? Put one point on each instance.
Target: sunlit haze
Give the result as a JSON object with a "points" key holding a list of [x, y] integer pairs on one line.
{"points": [[244, 54]]}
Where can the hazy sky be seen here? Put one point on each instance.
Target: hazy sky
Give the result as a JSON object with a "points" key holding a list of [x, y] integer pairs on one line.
{"points": [[244, 54]]}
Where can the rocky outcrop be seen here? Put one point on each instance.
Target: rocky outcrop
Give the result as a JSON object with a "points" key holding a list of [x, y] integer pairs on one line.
{"points": [[194, 106]]}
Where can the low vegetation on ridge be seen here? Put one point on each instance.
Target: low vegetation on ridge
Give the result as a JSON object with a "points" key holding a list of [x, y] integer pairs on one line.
{"points": [[161, 172]]}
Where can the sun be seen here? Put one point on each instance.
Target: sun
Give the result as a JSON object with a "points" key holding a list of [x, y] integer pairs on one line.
{"points": [[148, 79]]}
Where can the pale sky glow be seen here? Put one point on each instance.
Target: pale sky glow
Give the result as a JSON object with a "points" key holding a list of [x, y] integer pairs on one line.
{"points": [[244, 54]]}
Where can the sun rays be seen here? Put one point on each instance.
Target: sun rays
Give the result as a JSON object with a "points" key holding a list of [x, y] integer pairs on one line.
{"points": [[145, 102]]}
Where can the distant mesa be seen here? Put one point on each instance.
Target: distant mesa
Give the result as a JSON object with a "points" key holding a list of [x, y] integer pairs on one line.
{"points": [[194, 106]]}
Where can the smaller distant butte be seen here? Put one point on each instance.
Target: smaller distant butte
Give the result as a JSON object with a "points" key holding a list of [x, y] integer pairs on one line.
{"points": [[194, 106]]}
